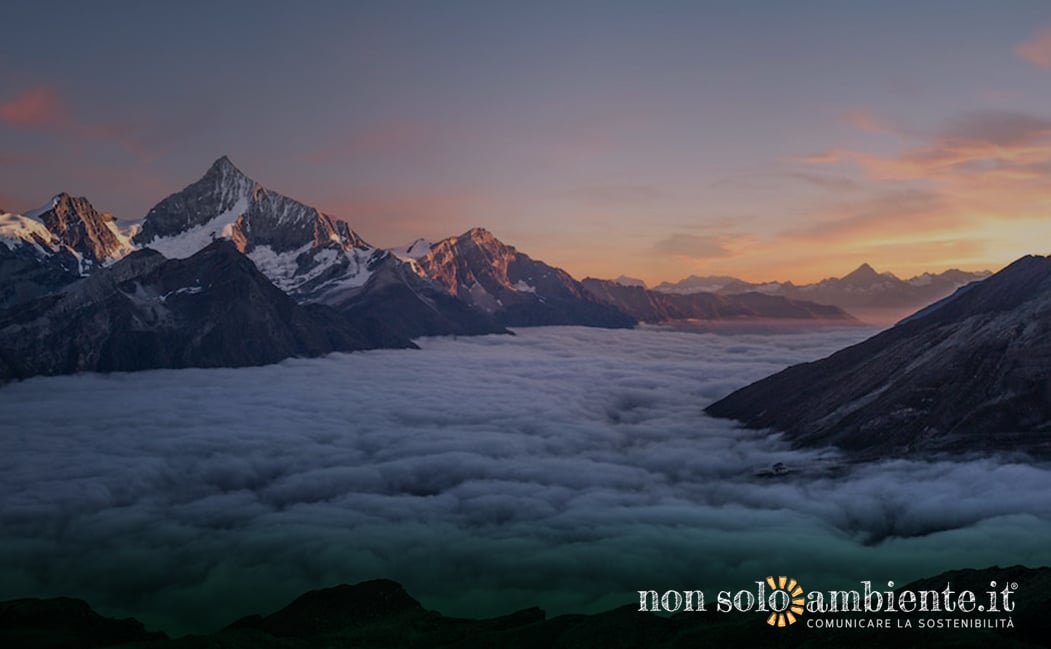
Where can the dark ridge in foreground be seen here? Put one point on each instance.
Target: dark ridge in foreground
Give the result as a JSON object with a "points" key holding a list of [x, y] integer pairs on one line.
{"points": [[214, 309], [969, 374], [380, 614]]}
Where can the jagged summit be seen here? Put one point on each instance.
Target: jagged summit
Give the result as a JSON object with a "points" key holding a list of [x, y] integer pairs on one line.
{"points": [[476, 236], [77, 224], [69, 227], [513, 288], [223, 162]]}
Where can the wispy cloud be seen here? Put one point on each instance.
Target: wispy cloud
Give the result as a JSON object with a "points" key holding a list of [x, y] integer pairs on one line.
{"points": [[901, 210], [37, 107], [43, 109], [865, 120], [616, 194], [694, 246], [1037, 49], [977, 156]]}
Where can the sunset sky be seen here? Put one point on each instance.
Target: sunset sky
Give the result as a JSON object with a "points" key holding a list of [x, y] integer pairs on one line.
{"points": [[766, 140]]}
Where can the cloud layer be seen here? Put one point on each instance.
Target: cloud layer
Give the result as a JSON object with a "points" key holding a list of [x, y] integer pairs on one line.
{"points": [[564, 467]]}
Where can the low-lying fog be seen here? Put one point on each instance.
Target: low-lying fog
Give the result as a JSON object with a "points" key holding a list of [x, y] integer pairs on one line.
{"points": [[563, 467]]}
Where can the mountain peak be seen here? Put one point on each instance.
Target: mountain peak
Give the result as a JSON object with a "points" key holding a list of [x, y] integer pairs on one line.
{"points": [[863, 272], [225, 167], [479, 234]]}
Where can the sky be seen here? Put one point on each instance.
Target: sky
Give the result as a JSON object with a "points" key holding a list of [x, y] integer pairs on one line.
{"points": [[765, 140]]}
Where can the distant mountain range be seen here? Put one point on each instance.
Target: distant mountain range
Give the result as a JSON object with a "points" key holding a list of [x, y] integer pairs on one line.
{"points": [[227, 272], [861, 288], [971, 374], [655, 307], [77, 294]]}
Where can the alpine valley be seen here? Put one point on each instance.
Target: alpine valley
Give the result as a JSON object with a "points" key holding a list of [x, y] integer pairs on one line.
{"points": [[228, 272]]}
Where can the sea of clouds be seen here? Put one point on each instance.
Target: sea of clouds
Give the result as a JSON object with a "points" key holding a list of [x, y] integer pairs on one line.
{"points": [[565, 467]]}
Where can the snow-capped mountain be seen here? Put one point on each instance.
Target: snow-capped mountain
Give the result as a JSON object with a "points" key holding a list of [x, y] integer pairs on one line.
{"points": [[76, 223], [33, 262], [212, 309], [696, 284], [969, 374], [49, 247], [413, 251], [310, 255], [304, 251], [511, 287]]}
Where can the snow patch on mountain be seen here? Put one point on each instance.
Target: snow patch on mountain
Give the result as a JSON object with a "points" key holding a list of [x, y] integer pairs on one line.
{"points": [[19, 230], [193, 240], [35, 214], [413, 251]]}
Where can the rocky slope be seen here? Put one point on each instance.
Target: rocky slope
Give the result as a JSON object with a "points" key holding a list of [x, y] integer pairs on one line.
{"points": [[33, 261], [48, 248], [409, 305], [77, 224], [310, 255], [213, 309], [655, 307], [297, 246], [511, 287], [380, 614], [971, 374]]}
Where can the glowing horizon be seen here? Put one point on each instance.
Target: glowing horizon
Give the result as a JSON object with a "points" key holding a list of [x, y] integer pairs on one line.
{"points": [[721, 138]]}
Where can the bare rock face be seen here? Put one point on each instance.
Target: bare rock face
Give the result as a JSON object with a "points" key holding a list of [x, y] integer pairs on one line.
{"points": [[214, 309], [226, 203], [29, 270], [970, 374], [313, 257], [513, 288], [409, 305], [656, 307], [77, 224]]}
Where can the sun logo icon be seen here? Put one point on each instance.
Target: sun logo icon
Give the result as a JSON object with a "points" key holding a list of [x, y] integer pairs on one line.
{"points": [[786, 600]]}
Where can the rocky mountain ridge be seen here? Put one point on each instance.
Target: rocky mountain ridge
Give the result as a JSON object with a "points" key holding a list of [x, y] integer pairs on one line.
{"points": [[970, 374]]}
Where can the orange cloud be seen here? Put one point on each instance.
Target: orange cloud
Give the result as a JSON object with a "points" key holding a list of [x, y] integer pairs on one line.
{"points": [[694, 246], [1037, 50], [963, 195], [864, 120], [911, 210], [976, 147], [831, 156], [38, 107]]}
